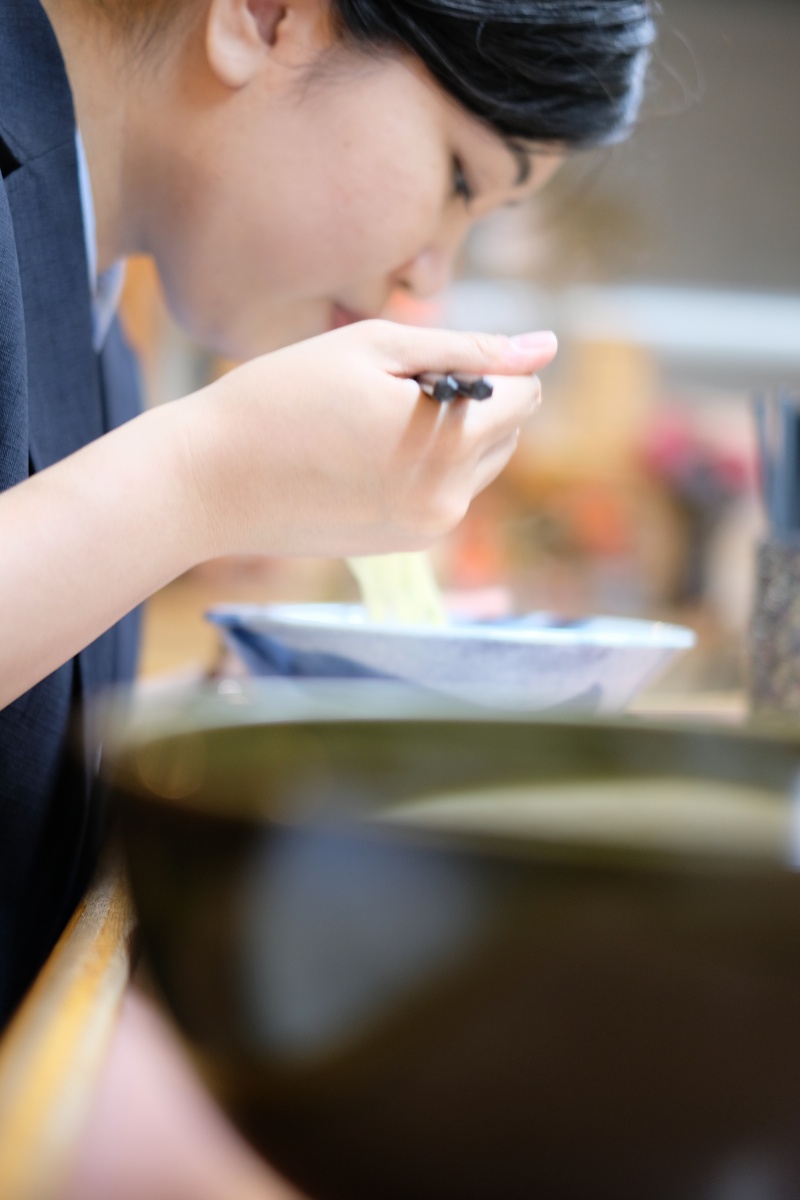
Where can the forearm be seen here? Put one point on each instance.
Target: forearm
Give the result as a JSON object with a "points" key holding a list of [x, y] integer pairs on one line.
{"points": [[85, 541]]}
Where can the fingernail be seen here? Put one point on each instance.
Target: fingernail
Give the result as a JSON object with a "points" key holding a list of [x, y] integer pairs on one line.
{"points": [[534, 341]]}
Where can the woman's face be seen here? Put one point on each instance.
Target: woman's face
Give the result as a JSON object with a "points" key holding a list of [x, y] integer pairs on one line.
{"points": [[296, 200]]}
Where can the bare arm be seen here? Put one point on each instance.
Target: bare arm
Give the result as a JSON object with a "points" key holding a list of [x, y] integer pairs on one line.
{"points": [[324, 448], [87, 540]]}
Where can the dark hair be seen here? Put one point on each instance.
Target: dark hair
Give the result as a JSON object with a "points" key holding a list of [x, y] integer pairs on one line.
{"points": [[567, 71]]}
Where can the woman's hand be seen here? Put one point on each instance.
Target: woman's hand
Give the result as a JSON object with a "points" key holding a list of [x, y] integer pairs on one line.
{"points": [[329, 447]]}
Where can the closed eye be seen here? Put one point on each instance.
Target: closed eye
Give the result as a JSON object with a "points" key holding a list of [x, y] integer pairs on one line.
{"points": [[461, 185]]}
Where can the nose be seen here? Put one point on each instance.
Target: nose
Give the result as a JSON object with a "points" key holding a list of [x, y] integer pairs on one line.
{"points": [[431, 269], [426, 274]]}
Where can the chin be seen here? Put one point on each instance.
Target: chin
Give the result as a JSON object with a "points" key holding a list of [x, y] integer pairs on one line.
{"points": [[236, 328], [272, 334], [340, 317], [290, 326]]}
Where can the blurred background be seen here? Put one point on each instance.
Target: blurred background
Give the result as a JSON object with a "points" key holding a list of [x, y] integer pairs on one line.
{"points": [[670, 269]]}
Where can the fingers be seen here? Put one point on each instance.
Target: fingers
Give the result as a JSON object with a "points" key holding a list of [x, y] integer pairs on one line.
{"points": [[476, 445], [494, 462], [515, 400], [409, 351], [521, 397], [465, 435]]}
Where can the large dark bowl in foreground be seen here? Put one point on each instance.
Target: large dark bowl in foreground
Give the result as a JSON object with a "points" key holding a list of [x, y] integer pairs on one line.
{"points": [[452, 957]]}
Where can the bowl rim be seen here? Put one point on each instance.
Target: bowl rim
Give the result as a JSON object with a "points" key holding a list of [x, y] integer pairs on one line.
{"points": [[333, 710], [349, 619]]}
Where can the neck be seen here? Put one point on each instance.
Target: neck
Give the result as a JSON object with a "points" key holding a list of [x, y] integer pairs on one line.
{"points": [[100, 79]]}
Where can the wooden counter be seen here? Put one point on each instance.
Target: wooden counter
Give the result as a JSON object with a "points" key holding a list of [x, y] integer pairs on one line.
{"points": [[53, 1050]]}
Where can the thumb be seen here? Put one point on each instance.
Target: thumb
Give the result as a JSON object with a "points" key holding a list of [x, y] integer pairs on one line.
{"points": [[409, 351]]}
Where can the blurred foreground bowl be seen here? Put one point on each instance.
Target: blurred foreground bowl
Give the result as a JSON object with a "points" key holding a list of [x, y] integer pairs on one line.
{"points": [[430, 953], [535, 662]]}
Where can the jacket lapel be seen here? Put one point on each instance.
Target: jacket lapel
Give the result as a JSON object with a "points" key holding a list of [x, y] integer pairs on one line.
{"points": [[37, 124], [13, 381], [64, 399]]}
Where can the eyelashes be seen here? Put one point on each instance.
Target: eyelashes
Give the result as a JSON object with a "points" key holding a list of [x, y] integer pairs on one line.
{"points": [[461, 185]]}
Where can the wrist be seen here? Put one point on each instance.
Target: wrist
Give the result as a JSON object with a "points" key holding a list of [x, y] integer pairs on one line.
{"points": [[201, 447]]}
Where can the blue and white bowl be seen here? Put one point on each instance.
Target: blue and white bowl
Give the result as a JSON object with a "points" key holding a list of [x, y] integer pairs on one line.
{"points": [[536, 662]]}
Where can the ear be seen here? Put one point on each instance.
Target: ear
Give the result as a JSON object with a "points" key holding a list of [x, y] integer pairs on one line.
{"points": [[239, 34]]}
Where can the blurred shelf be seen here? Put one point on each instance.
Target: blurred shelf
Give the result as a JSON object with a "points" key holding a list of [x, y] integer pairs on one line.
{"points": [[694, 324]]}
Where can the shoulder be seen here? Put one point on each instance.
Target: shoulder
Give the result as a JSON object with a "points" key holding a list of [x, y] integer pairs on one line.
{"points": [[36, 125]]}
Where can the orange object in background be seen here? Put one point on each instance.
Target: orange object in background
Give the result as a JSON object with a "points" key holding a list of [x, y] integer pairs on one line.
{"points": [[477, 552], [599, 518], [143, 312]]}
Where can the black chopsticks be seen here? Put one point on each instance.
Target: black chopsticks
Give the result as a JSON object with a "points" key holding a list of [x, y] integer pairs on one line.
{"points": [[454, 385]]}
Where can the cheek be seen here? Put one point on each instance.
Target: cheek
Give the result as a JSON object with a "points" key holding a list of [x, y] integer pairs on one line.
{"points": [[372, 220], [336, 203], [362, 198]]}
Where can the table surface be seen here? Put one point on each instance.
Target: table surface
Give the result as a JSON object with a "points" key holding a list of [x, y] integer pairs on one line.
{"points": [[54, 1048]]}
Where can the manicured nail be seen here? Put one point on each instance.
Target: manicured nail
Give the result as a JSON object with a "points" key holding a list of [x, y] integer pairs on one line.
{"points": [[534, 341]]}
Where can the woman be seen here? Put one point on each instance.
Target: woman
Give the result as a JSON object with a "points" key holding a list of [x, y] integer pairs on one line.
{"points": [[288, 165]]}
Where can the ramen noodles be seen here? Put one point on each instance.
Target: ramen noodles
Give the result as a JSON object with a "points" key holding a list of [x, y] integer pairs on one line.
{"points": [[399, 587]]}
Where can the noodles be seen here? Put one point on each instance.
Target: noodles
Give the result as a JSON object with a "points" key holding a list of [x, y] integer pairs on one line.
{"points": [[399, 587]]}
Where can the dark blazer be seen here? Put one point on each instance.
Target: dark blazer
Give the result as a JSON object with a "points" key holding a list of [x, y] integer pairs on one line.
{"points": [[56, 394]]}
